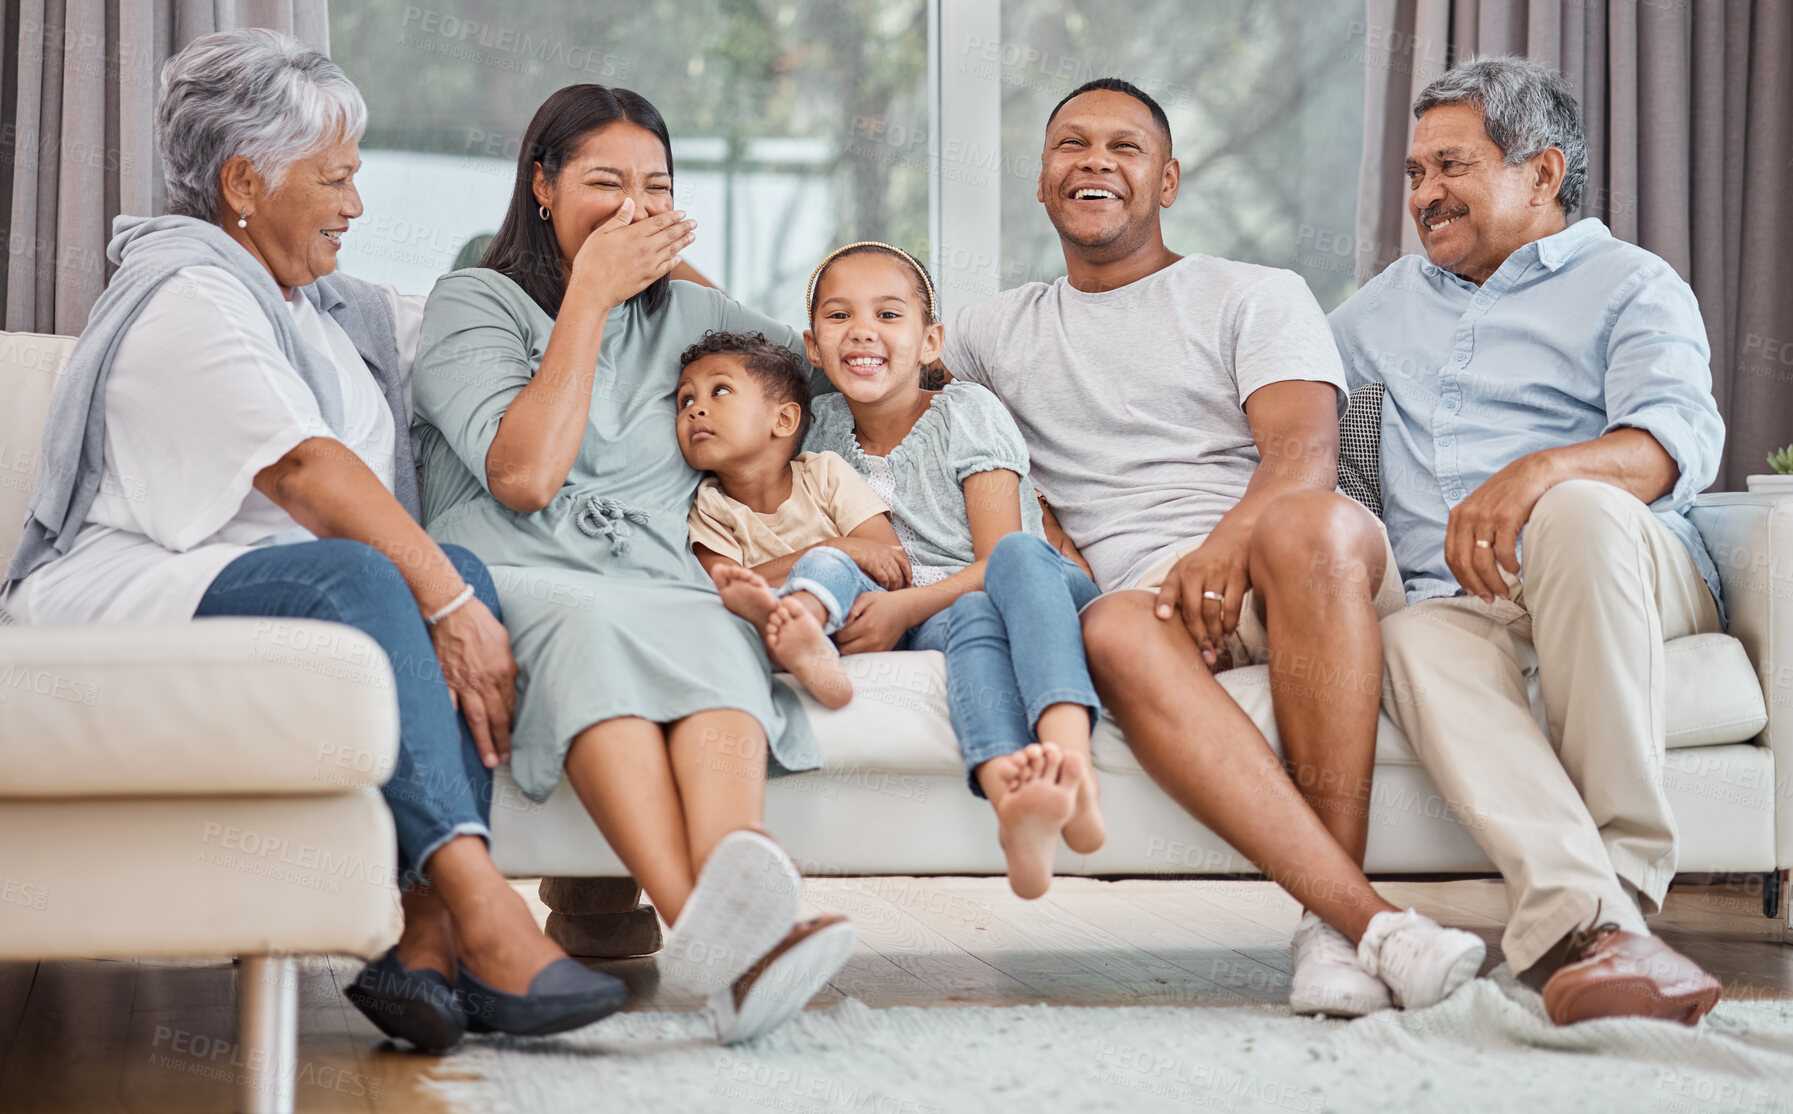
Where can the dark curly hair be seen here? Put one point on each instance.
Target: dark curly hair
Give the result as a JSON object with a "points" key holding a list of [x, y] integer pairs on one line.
{"points": [[778, 370]]}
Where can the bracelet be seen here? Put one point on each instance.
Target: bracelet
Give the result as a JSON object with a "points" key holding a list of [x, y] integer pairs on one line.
{"points": [[451, 607]]}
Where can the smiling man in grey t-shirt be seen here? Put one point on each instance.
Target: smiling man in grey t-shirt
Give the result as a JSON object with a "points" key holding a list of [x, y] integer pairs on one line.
{"points": [[1181, 416]]}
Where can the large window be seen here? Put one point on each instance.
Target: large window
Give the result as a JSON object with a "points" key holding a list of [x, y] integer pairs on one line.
{"points": [[799, 125], [1266, 111], [764, 101]]}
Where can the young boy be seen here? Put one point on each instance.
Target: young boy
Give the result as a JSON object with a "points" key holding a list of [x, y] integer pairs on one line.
{"points": [[767, 515]]}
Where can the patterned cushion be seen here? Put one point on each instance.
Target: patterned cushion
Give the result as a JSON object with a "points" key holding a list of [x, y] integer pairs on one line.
{"points": [[1360, 447]]}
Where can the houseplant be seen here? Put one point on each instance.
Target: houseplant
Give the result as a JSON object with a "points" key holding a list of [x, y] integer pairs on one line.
{"points": [[1781, 478]]}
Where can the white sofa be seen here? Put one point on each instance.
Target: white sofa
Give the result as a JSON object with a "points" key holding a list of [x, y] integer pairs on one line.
{"points": [[208, 788]]}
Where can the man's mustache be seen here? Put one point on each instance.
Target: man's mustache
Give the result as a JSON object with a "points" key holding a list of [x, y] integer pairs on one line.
{"points": [[1438, 212]]}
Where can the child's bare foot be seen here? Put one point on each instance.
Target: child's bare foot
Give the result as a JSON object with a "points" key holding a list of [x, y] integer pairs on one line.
{"points": [[745, 593], [795, 640], [1085, 832], [1041, 797]]}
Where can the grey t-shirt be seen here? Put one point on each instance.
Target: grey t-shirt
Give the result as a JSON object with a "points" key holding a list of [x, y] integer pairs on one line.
{"points": [[1132, 400]]}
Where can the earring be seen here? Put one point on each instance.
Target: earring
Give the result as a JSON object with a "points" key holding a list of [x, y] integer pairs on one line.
{"points": [[243, 219], [543, 210]]}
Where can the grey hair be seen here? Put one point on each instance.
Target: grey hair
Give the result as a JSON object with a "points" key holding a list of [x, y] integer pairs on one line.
{"points": [[1526, 107], [250, 92]]}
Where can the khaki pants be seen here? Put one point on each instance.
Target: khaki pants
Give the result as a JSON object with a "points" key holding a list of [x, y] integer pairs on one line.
{"points": [[1565, 815]]}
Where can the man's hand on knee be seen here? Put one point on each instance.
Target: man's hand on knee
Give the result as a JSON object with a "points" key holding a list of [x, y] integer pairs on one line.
{"points": [[1206, 588], [1484, 528]]}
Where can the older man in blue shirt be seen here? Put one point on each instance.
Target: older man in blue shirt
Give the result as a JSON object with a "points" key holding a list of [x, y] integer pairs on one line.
{"points": [[1547, 419]]}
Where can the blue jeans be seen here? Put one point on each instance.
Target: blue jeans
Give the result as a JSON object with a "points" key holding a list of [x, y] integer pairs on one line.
{"points": [[439, 789], [833, 578], [1015, 649], [836, 580]]}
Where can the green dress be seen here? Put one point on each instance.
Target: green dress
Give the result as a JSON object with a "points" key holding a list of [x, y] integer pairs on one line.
{"points": [[608, 611]]}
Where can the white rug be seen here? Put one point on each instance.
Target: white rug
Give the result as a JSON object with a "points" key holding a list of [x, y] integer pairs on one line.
{"points": [[1489, 1048]]}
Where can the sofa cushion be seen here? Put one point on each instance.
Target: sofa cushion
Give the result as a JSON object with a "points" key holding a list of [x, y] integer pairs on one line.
{"points": [[1713, 694], [219, 706], [1249, 686], [898, 722], [234, 875]]}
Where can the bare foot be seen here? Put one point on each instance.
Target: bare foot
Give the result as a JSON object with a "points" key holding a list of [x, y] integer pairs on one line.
{"points": [[796, 643], [746, 593], [1031, 814], [1085, 832]]}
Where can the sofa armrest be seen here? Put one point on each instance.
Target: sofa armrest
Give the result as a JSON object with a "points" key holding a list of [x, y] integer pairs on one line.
{"points": [[206, 708], [1750, 538]]}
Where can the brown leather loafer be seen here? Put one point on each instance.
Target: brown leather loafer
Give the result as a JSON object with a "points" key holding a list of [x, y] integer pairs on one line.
{"points": [[1624, 974]]}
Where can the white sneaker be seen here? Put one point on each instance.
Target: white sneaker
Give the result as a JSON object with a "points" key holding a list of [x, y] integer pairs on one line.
{"points": [[784, 980], [1328, 979], [745, 900], [1422, 961]]}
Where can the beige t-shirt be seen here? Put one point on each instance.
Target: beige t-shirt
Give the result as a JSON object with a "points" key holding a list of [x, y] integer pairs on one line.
{"points": [[828, 500]]}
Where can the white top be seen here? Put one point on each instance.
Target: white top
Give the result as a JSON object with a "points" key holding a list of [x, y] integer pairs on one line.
{"points": [[883, 483], [1132, 400], [199, 400]]}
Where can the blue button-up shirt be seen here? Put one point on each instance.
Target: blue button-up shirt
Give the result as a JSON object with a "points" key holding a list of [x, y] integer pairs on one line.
{"points": [[1574, 336]]}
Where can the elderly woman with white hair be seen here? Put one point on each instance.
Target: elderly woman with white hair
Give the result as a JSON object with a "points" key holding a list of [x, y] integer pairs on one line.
{"points": [[231, 437]]}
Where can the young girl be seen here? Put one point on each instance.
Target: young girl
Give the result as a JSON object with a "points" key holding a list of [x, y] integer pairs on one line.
{"points": [[985, 586]]}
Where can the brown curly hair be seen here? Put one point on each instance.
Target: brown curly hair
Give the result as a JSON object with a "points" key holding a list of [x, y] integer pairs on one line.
{"points": [[778, 370]]}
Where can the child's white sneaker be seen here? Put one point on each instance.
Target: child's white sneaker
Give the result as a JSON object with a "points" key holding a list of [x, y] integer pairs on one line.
{"points": [[784, 980], [1328, 978], [1422, 961], [745, 900]]}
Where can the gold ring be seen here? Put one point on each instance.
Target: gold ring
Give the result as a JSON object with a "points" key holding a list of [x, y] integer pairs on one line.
{"points": [[1483, 543]]}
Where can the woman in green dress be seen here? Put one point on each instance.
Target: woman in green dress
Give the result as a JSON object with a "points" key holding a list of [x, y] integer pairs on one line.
{"points": [[544, 391]]}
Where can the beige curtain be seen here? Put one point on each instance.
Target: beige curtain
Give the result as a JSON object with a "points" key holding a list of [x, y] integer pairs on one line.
{"points": [[1689, 113], [77, 93]]}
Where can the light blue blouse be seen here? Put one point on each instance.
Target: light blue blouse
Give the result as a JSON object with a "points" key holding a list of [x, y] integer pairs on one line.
{"points": [[965, 431], [1575, 335]]}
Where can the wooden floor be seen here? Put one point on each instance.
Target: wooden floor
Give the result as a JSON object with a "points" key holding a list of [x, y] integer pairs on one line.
{"points": [[158, 1036]]}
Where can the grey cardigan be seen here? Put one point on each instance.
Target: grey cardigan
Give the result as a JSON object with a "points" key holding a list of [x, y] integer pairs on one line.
{"points": [[148, 252]]}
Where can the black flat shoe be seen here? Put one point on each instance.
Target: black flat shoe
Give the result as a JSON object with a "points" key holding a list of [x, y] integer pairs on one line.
{"points": [[565, 995], [414, 1006]]}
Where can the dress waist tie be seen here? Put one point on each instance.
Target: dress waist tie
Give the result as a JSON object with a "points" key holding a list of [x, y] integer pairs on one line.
{"points": [[604, 517]]}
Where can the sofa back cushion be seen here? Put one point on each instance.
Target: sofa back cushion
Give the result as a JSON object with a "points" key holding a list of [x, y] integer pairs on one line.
{"points": [[29, 365]]}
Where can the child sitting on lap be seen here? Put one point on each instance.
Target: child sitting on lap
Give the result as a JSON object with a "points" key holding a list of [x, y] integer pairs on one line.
{"points": [[766, 517], [988, 589]]}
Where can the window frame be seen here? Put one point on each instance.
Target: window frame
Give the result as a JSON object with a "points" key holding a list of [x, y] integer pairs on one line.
{"points": [[965, 153]]}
